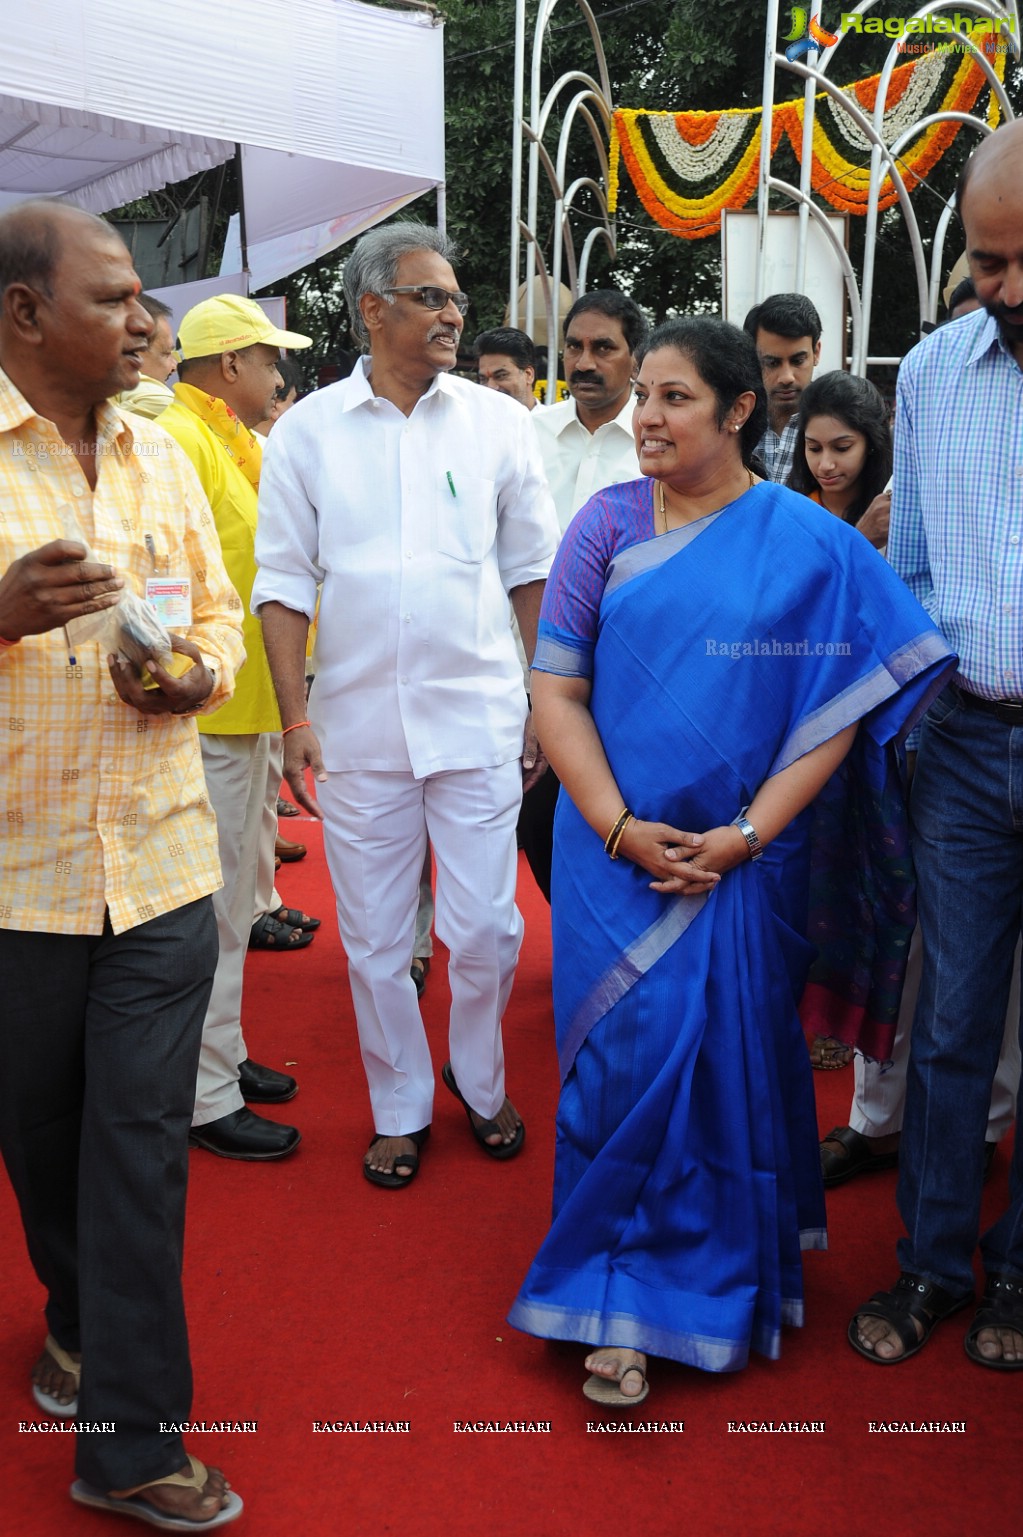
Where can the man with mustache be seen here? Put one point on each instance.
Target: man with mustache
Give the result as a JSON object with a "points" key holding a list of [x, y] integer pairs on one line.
{"points": [[418, 501], [587, 444], [957, 540], [587, 441]]}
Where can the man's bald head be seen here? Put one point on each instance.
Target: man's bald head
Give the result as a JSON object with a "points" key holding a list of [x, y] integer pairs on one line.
{"points": [[991, 208], [33, 235], [999, 154]]}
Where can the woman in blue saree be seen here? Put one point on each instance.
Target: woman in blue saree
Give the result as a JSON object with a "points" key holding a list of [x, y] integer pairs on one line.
{"points": [[710, 646]]}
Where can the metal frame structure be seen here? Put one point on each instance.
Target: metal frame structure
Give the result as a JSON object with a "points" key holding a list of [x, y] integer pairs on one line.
{"points": [[580, 96], [884, 159], [591, 101]]}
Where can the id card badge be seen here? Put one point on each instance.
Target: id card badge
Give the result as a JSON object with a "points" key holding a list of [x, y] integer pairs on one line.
{"points": [[170, 598]]}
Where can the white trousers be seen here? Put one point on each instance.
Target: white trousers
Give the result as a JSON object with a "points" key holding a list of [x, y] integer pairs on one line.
{"points": [[267, 899], [879, 1097], [422, 948], [375, 832], [236, 772]]}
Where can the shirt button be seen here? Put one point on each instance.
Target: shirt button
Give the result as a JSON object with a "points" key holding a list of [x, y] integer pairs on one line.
{"points": [[408, 617], [1014, 539], [404, 680], [1019, 472], [80, 491], [408, 554]]}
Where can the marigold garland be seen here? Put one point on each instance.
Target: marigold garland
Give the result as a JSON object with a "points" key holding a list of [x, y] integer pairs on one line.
{"points": [[687, 167]]}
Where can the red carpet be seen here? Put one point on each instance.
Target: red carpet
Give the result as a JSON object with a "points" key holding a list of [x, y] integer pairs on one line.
{"points": [[316, 1297]]}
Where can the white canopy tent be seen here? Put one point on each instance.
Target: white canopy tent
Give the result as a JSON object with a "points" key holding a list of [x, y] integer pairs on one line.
{"points": [[339, 107]]}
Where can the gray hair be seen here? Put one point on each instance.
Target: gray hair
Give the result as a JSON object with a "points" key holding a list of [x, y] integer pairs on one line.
{"points": [[373, 264]]}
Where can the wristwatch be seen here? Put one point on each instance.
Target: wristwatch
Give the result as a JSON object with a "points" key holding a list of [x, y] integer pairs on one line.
{"points": [[749, 832]]}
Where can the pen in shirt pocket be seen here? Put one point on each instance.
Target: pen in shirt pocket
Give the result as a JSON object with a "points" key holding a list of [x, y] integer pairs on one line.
{"points": [[451, 483]]}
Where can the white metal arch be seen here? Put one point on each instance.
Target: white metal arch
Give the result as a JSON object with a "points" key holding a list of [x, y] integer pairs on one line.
{"points": [[882, 160], [592, 104]]}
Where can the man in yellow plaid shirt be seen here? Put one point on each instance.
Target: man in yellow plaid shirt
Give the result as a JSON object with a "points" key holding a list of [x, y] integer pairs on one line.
{"points": [[108, 941]]}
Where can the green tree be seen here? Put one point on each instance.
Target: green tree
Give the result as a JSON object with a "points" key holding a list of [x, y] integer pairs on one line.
{"points": [[669, 54]]}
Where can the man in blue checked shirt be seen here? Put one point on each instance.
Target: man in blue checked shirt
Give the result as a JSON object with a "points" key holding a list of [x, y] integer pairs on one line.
{"points": [[957, 540]]}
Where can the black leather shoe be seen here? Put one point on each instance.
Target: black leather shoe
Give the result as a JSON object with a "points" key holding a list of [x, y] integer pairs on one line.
{"points": [[245, 1135], [263, 1085]]}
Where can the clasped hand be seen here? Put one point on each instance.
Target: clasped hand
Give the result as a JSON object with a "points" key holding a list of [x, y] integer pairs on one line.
{"points": [[175, 696], [682, 863]]}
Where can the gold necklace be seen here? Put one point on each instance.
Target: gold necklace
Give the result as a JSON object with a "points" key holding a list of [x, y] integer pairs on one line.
{"points": [[662, 509]]}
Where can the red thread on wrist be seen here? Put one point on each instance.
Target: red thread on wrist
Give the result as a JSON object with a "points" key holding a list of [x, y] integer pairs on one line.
{"points": [[295, 727]]}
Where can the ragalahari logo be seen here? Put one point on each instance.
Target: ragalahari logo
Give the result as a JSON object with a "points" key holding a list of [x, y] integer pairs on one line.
{"points": [[806, 34]]}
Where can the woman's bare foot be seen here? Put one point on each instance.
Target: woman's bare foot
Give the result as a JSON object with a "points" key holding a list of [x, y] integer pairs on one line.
{"points": [[828, 1054], [53, 1380], [618, 1364]]}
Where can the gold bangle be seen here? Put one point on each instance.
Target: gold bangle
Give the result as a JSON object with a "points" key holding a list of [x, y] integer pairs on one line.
{"points": [[620, 822], [613, 851]]}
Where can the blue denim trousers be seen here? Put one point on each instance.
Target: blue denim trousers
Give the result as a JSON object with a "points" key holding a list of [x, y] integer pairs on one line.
{"points": [[967, 818]]}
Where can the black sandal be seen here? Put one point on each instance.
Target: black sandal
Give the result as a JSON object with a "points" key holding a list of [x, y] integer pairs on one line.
{"points": [[912, 1297], [295, 918], [1001, 1307], [267, 933], [410, 1161], [484, 1129]]}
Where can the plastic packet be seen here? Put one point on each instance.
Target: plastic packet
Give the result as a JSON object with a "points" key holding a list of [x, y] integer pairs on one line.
{"points": [[129, 627]]}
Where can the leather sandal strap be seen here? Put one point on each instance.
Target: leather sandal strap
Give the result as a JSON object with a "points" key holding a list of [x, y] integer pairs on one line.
{"points": [[1001, 1306], [63, 1360], [196, 1480]]}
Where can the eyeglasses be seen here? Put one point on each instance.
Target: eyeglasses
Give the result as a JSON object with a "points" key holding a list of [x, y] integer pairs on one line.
{"points": [[433, 298]]}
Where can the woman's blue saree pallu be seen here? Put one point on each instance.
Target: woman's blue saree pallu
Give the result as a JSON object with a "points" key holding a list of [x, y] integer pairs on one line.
{"points": [[687, 1176]]}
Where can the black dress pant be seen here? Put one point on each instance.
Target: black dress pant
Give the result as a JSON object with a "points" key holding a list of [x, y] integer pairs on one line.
{"points": [[536, 828], [99, 1044]]}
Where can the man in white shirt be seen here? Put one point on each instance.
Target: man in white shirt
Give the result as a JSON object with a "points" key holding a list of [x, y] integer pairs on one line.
{"points": [[418, 501], [506, 362], [587, 441]]}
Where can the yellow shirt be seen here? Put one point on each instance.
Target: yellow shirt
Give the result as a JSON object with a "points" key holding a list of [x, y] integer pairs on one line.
{"points": [[100, 807], [233, 499], [149, 398]]}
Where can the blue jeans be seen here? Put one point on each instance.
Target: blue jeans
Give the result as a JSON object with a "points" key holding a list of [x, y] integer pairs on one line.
{"points": [[967, 819]]}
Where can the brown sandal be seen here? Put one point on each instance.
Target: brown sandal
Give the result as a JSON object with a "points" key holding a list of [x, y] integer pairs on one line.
{"points": [[127, 1502]]}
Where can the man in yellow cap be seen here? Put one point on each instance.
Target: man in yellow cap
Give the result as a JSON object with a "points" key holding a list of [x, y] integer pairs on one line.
{"points": [[228, 375]]}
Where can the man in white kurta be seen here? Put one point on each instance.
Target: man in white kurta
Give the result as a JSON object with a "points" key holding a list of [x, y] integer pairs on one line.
{"points": [[419, 502]]}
